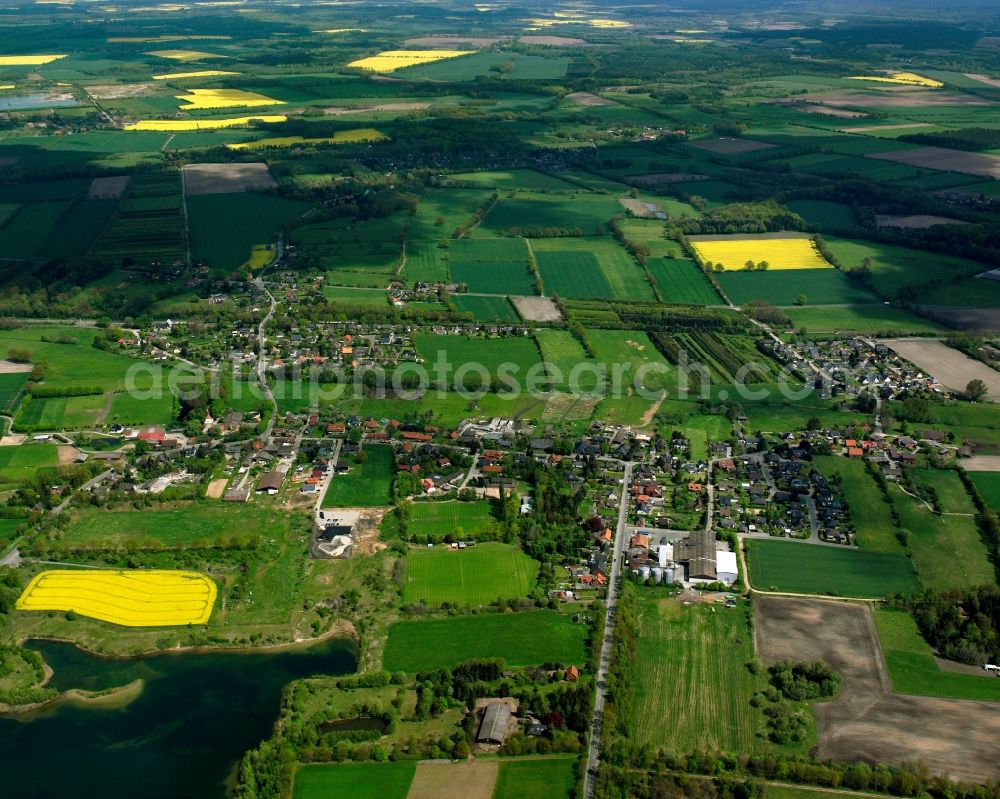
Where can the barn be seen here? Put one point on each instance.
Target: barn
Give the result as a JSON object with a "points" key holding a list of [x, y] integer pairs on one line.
{"points": [[726, 569], [493, 729]]}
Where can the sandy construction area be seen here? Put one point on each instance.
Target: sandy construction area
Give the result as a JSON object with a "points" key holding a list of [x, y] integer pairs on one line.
{"points": [[447, 41], [340, 111], [537, 309], [951, 367], [66, 454], [553, 41], [639, 208], [891, 98], [986, 79], [590, 100], [877, 128], [216, 488], [867, 721], [729, 146], [667, 177], [443, 780], [915, 221], [119, 91], [224, 178], [945, 160], [840, 113], [11, 368], [103, 188], [982, 463]]}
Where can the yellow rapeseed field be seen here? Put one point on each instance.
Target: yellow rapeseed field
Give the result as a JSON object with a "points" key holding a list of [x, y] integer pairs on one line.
{"points": [[175, 125], [155, 598], [341, 137], [204, 73], [27, 60], [198, 99], [901, 78], [391, 60], [185, 55], [8, 86], [780, 253]]}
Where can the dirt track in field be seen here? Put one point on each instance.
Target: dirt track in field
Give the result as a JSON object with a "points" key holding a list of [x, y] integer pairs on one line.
{"points": [[867, 721]]}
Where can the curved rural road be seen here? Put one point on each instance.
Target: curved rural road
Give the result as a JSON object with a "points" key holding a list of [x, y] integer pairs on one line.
{"points": [[262, 362]]}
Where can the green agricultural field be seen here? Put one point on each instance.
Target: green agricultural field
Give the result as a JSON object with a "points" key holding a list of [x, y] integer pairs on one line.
{"points": [[447, 410], [976, 423], [22, 462], [824, 214], [634, 350], [521, 639], [367, 484], [590, 268], [78, 227], [354, 780], [348, 295], [425, 260], [487, 353], [512, 66], [679, 280], [129, 410], [935, 540], [914, 670], [577, 275], [11, 385], [870, 319], [786, 286], [948, 487], [458, 519], [549, 778], [471, 576], [62, 413], [527, 212], [514, 179], [73, 365], [895, 268], [491, 266], [562, 352], [816, 569], [224, 227], [494, 277], [777, 413], [988, 484], [440, 211], [180, 524], [870, 513], [28, 232], [693, 689], [486, 309]]}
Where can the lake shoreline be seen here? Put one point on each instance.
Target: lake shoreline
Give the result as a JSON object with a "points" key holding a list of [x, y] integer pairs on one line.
{"points": [[342, 628]]}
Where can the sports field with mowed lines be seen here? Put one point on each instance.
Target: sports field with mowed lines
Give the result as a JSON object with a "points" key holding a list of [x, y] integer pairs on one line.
{"points": [[470, 576], [459, 519]]}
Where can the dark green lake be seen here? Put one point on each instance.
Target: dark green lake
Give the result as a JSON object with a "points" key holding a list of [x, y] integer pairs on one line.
{"points": [[180, 739]]}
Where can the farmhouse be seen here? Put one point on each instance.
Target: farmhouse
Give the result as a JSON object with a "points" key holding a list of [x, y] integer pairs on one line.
{"points": [[493, 729]]}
